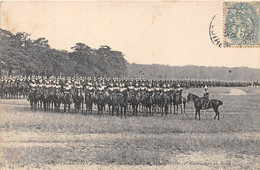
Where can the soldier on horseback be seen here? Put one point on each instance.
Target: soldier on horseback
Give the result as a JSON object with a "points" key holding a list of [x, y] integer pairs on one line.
{"points": [[205, 99], [143, 89], [179, 90]]}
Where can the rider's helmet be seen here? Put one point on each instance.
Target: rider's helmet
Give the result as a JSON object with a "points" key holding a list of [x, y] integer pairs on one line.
{"points": [[178, 86], [206, 88]]}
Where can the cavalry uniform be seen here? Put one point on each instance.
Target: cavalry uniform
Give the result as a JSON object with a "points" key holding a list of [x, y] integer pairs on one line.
{"points": [[150, 90], [136, 89], [130, 87], [123, 88], [110, 88], [143, 89], [100, 88], [205, 99], [165, 89], [178, 93], [157, 89], [116, 88], [179, 90]]}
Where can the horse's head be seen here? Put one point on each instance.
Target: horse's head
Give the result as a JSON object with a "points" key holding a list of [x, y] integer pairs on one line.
{"points": [[191, 97]]}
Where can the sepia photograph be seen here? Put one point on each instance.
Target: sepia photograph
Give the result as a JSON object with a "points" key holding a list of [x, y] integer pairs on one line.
{"points": [[130, 84]]}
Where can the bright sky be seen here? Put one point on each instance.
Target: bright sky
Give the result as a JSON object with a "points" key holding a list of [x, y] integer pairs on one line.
{"points": [[146, 32]]}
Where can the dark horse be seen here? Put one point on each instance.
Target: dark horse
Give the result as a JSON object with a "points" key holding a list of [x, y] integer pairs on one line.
{"points": [[213, 103], [177, 100], [89, 100], [123, 102]]}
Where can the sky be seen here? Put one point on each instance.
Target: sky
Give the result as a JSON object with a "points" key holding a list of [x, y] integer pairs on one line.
{"points": [[170, 33]]}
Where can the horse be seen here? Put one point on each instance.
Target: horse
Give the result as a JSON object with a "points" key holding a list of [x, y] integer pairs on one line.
{"points": [[78, 100], [165, 100], [179, 100], [148, 103], [114, 102], [158, 102], [135, 99], [100, 100], [43, 99], [89, 100], [123, 102], [32, 99], [213, 103], [67, 100], [57, 97]]}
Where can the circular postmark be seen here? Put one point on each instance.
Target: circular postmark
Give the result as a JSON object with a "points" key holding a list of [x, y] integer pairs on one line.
{"points": [[214, 33]]}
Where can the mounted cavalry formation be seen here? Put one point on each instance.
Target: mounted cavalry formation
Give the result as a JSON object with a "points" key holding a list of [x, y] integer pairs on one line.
{"points": [[115, 96]]}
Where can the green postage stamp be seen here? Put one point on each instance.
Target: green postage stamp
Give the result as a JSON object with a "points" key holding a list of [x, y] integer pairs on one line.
{"points": [[241, 24]]}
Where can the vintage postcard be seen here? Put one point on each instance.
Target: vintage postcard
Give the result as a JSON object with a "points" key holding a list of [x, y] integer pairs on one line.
{"points": [[129, 84]]}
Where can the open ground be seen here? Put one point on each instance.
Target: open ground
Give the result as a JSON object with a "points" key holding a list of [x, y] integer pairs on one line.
{"points": [[65, 140]]}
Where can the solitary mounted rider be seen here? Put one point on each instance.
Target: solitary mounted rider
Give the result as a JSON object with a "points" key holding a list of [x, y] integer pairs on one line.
{"points": [[205, 98]]}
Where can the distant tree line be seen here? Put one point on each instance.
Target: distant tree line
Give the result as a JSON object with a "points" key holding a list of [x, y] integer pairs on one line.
{"points": [[157, 71], [28, 56]]}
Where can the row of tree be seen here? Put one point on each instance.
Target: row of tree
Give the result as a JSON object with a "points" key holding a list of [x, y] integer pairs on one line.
{"points": [[28, 56], [21, 53]]}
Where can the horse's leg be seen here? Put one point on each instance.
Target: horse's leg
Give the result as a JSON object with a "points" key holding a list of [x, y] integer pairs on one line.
{"points": [[121, 111], [199, 114], [184, 105], [125, 110], [87, 108], [82, 105], [31, 104], [217, 113], [64, 107], [35, 105]]}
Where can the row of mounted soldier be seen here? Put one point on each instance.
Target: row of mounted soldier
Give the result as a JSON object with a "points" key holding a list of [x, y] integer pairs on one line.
{"points": [[119, 95]]}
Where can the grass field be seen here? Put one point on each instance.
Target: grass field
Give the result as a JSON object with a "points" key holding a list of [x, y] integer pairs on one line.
{"points": [[63, 140]]}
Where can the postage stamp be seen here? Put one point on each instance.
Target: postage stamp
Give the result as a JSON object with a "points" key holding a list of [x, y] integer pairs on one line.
{"points": [[241, 24]]}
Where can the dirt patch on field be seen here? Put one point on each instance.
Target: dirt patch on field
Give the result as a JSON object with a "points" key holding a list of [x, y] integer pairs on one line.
{"points": [[236, 92]]}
